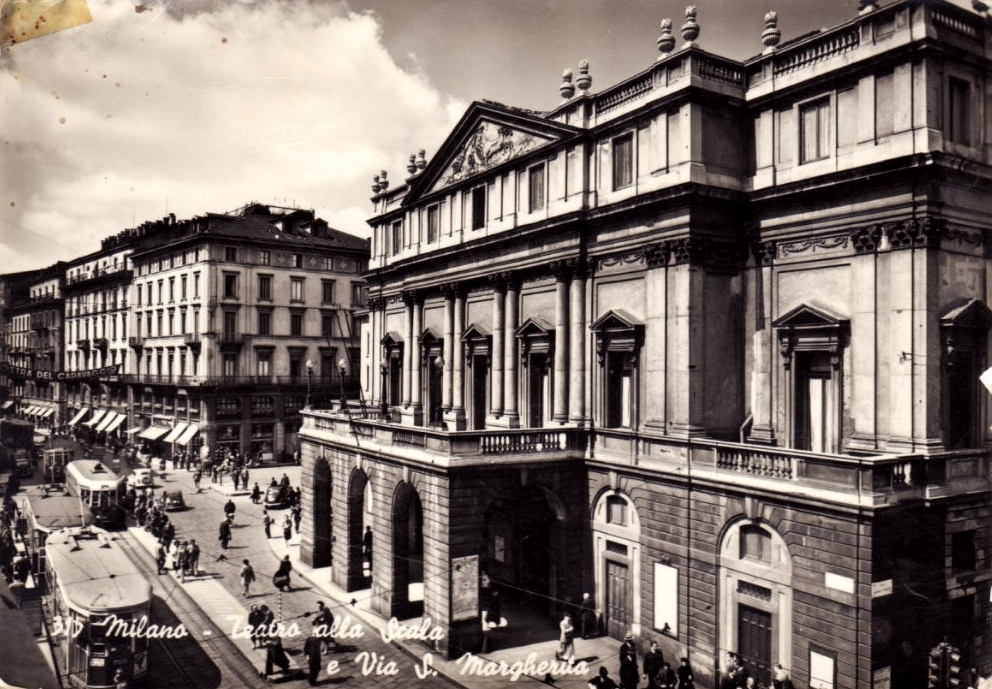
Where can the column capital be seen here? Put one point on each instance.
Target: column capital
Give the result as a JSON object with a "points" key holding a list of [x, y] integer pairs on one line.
{"points": [[866, 240], [503, 280], [452, 290], [763, 252], [410, 297], [377, 304], [657, 255]]}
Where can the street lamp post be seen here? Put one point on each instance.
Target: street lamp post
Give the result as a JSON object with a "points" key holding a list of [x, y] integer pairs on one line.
{"points": [[342, 367], [309, 381]]}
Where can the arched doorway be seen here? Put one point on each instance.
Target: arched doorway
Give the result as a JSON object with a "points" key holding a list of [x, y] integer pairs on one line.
{"points": [[408, 553], [756, 584], [617, 553], [357, 487], [524, 551], [322, 513]]}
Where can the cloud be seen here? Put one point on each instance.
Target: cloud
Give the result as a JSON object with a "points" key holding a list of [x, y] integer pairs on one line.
{"points": [[201, 106]]}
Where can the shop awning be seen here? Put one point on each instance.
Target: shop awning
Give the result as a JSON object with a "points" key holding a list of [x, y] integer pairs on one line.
{"points": [[153, 432], [107, 420], [121, 418], [132, 431], [7, 405], [30, 410], [79, 415], [97, 415], [176, 431], [45, 413], [188, 434]]}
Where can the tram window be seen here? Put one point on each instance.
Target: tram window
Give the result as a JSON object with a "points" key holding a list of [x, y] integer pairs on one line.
{"points": [[84, 495]]}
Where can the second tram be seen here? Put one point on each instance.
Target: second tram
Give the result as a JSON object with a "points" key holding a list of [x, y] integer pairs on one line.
{"points": [[99, 600], [99, 488]]}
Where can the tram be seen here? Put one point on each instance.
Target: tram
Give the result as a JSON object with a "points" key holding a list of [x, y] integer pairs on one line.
{"points": [[98, 598], [54, 462], [99, 488]]}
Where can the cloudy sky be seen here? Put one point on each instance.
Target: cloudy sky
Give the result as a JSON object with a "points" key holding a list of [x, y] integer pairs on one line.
{"points": [[189, 106]]}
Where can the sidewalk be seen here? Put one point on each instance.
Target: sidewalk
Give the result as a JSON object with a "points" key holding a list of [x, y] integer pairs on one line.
{"points": [[592, 652]]}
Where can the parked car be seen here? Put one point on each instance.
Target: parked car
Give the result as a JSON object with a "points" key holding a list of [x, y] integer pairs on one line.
{"points": [[140, 478], [174, 500], [277, 496]]}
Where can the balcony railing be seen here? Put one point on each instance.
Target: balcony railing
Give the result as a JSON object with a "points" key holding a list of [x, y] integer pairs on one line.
{"points": [[840, 479]]}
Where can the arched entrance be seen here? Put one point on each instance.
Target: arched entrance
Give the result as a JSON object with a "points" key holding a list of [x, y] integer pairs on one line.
{"points": [[357, 487], [322, 513], [617, 557], [756, 585], [408, 553], [524, 551]]}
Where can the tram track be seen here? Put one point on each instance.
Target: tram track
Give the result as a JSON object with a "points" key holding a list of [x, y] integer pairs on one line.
{"points": [[206, 658]]}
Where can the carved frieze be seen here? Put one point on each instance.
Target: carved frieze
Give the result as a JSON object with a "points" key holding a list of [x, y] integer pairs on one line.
{"points": [[915, 233], [837, 241], [865, 240], [490, 145]]}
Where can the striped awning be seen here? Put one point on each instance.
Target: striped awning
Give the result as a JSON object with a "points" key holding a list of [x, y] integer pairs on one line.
{"points": [[121, 418], [45, 413], [79, 415], [30, 410], [188, 434], [7, 405], [97, 415], [176, 431], [107, 420], [153, 432]]}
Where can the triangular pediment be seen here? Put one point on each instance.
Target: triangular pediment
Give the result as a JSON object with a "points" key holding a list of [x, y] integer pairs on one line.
{"points": [[616, 319], [430, 335], [971, 313], [535, 326], [806, 317], [488, 136], [476, 331], [391, 338]]}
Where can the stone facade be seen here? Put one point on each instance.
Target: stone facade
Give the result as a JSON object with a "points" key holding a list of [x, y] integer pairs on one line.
{"points": [[719, 328]]}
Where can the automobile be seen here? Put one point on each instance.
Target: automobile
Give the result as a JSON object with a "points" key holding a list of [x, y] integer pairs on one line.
{"points": [[276, 496], [140, 478], [173, 500]]}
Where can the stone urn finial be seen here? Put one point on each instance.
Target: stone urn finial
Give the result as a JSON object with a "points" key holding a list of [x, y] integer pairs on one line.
{"points": [[383, 183], [666, 41], [375, 184], [690, 30], [411, 167], [771, 35], [866, 6], [567, 88], [584, 80], [421, 160]]}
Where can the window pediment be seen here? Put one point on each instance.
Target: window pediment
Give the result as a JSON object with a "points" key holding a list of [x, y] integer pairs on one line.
{"points": [[535, 326], [391, 339], [430, 337], [476, 331], [617, 330], [807, 328], [972, 313]]}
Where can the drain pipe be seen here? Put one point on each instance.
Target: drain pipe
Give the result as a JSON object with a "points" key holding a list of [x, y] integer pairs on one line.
{"points": [[745, 427]]}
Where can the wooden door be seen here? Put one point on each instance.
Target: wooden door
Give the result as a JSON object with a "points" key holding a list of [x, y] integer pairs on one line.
{"points": [[536, 383], [479, 397], [617, 599], [754, 642]]}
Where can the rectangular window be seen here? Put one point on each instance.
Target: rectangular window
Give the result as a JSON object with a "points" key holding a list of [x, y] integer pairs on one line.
{"points": [[959, 111], [172, 290], [327, 291], [230, 364], [296, 325], [264, 322], [815, 423], [821, 669], [297, 260], [885, 106], [623, 161], [358, 294], [814, 133], [160, 282], [230, 285], [619, 379], [535, 185], [433, 223], [296, 289], [397, 232], [182, 288], [231, 254], [230, 322], [963, 552], [478, 208], [264, 364], [182, 320], [265, 287], [755, 544], [616, 510], [327, 326], [196, 285], [264, 257], [137, 295]]}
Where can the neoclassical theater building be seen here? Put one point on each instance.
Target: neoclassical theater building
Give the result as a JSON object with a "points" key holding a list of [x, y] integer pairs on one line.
{"points": [[705, 344]]}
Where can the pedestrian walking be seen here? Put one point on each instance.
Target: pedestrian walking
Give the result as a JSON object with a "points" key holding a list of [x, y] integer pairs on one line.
{"points": [[566, 639], [491, 621], [224, 534], [654, 663], [603, 680], [267, 522], [182, 562], [244, 478], [229, 508], [685, 675], [172, 559], [255, 618], [256, 494], [297, 513], [323, 622], [311, 649], [367, 545], [194, 558], [247, 577], [587, 619], [160, 558], [629, 675], [287, 528], [667, 678], [275, 655], [281, 578], [197, 476]]}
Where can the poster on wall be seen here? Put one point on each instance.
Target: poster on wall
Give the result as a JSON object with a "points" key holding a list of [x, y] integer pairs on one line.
{"points": [[464, 588]]}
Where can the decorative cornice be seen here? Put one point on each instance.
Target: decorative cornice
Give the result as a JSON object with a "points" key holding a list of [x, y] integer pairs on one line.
{"points": [[917, 233], [689, 250], [836, 241], [657, 255], [865, 240]]}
